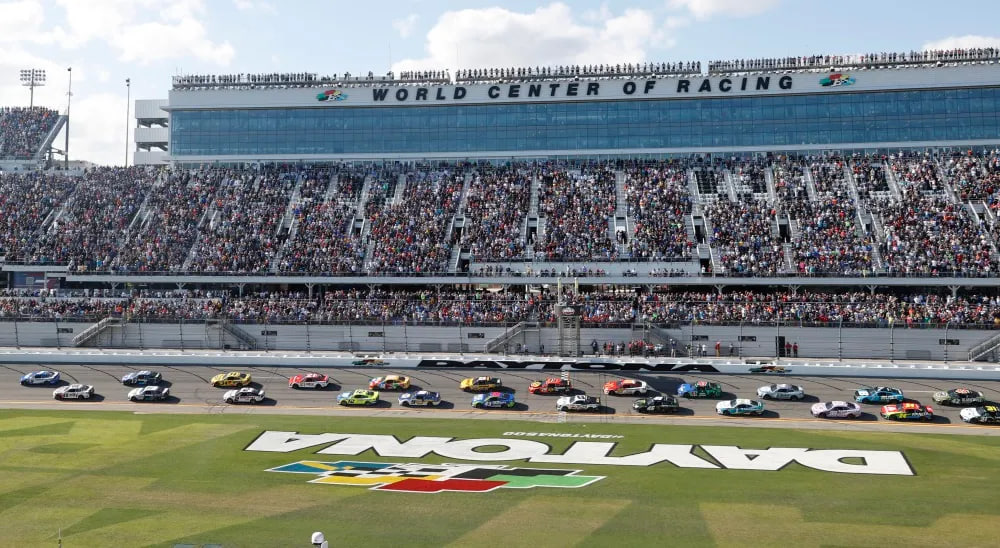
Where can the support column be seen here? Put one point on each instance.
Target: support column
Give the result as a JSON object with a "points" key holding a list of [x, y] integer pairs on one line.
{"points": [[719, 288], [954, 290]]}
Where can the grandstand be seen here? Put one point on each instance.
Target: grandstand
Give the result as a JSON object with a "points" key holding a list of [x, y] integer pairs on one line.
{"points": [[26, 136], [797, 193]]}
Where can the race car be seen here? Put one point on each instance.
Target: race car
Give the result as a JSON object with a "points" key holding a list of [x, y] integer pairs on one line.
{"points": [[656, 404], [877, 394], [142, 378], [420, 398], [625, 387], [774, 369], [958, 396], [149, 393], [233, 378], [579, 402], [987, 414], [700, 389], [358, 397], [480, 384], [40, 377], [836, 410], [551, 385], [493, 400], [740, 407], [389, 382], [781, 392], [309, 380], [247, 394], [908, 411], [73, 392]]}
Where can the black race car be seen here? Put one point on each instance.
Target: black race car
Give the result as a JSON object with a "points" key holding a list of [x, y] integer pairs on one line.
{"points": [[656, 404]]}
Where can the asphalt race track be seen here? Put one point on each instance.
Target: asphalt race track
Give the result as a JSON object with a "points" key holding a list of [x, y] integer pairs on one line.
{"points": [[191, 393]]}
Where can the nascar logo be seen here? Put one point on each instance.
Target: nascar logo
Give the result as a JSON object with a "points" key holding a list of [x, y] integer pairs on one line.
{"points": [[834, 80], [430, 478]]}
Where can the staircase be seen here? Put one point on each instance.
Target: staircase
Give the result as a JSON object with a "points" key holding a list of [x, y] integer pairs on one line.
{"points": [[400, 190], [769, 179], [989, 348], [246, 341], [50, 137], [502, 342], [94, 331], [810, 183]]}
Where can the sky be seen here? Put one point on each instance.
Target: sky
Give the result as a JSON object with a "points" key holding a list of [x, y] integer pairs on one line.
{"points": [[147, 41]]}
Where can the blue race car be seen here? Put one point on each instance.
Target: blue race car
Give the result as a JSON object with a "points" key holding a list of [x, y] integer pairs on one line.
{"points": [[141, 378], [877, 394], [40, 377], [493, 400]]}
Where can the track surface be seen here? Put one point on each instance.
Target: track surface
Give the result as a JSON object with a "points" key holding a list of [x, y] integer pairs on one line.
{"points": [[191, 393]]}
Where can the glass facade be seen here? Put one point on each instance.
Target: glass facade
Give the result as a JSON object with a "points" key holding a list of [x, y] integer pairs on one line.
{"points": [[782, 121]]}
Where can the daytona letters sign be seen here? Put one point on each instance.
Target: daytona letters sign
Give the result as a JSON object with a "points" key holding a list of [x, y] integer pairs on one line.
{"points": [[845, 461]]}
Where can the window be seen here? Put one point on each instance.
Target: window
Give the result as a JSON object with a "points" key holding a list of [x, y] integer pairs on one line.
{"points": [[476, 335], [269, 333], [949, 342], [64, 330], [376, 333]]}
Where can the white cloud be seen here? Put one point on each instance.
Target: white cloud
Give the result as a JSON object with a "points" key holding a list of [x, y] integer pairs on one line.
{"points": [[963, 42], [255, 5], [703, 9], [550, 35], [21, 21], [405, 25], [143, 31], [97, 129]]}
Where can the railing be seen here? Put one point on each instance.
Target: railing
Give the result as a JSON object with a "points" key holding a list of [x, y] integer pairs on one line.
{"points": [[95, 331]]}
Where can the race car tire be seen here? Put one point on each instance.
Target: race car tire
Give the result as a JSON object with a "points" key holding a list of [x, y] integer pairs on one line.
{"points": [[563, 409], [295, 386], [215, 385], [343, 402], [765, 397], [319, 386], [405, 403], [229, 400], [133, 398]]}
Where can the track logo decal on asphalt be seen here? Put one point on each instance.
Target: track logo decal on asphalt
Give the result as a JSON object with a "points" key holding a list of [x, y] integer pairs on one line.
{"points": [[415, 477]]}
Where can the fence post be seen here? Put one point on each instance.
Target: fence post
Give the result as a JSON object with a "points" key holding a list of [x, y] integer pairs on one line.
{"points": [[180, 330], [308, 339], [840, 339], [892, 341], [350, 335], [406, 340], [383, 337], [17, 338], [59, 344], [947, 325]]}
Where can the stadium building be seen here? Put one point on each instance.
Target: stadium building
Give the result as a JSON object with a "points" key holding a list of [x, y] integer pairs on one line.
{"points": [[759, 204], [864, 107]]}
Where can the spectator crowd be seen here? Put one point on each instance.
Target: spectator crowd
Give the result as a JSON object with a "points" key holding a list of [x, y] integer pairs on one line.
{"points": [[22, 131]]}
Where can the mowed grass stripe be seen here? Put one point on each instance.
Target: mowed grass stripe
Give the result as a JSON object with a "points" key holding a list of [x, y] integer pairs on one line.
{"points": [[774, 525], [541, 519]]}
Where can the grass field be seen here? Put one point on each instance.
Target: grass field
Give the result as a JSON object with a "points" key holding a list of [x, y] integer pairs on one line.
{"points": [[121, 479]]}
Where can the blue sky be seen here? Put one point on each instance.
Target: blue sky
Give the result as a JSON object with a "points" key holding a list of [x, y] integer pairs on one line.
{"points": [[106, 41]]}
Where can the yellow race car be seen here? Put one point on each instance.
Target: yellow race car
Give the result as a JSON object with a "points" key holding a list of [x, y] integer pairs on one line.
{"points": [[480, 384], [233, 378]]}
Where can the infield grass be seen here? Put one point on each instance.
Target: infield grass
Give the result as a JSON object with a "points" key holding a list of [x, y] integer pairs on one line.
{"points": [[122, 479]]}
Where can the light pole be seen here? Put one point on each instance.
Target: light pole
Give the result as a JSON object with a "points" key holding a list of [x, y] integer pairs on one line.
{"points": [[69, 101], [31, 79], [128, 112]]}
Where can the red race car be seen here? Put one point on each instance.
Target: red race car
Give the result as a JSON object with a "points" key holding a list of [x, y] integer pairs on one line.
{"points": [[309, 380], [551, 385]]}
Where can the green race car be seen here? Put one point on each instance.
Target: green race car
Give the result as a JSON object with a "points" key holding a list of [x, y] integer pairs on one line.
{"points": [[358, 397], [700, 389]]}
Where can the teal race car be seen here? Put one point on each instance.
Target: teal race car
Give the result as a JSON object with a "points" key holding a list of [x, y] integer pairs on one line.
{"points": [[358, 397]]}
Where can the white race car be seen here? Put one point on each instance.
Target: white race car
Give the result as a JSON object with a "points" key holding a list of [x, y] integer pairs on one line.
{"points": [[781, 392], [73, 392], [578, 402], [247, 394], [836, 410]]}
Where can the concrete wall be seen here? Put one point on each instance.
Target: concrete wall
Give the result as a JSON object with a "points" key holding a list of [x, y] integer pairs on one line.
{"points": [[814, 342]]}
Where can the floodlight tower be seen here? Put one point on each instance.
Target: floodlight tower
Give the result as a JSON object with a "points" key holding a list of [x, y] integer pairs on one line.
{"points": [[32, 78]]}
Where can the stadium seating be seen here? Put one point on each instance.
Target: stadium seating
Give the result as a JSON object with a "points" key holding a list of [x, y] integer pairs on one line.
{"points": [[907, 308], [22, 131], [912, 214]]}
